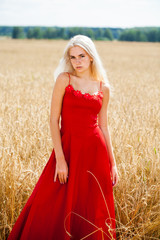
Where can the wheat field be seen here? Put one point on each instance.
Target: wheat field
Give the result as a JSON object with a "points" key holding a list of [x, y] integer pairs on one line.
{"points": [[26, 84]]}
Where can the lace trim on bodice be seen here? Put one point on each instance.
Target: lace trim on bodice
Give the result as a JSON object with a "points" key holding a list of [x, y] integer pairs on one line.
{"points": [[78, 93]]}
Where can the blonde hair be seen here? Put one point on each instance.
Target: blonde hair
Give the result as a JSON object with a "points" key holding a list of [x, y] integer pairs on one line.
{"points": [[87, 44]]}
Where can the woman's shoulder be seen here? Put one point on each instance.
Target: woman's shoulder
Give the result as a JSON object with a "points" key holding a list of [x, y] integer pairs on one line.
{"points": [[63, 79], [105, 88]]}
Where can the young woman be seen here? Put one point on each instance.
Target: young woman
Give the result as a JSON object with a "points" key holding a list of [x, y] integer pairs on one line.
{"points": [[73, 198]]}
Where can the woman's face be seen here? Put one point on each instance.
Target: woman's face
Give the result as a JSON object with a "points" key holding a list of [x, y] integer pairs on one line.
{"points": [[80, 59]]}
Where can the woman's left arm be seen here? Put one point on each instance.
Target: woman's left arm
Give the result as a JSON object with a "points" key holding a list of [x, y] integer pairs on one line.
{"points": [[103, 124]]}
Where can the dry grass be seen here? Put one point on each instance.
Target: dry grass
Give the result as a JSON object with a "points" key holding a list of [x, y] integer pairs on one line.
{"points": [[26, 83]]}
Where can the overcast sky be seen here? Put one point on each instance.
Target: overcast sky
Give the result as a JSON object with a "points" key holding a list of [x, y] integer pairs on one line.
{"points": [[89, 13]]}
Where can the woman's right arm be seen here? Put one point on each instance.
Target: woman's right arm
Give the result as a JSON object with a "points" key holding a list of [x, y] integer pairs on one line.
{"points": [[56, 105]]}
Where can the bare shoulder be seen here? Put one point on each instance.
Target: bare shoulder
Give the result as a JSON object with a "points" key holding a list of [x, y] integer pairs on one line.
{"points": [[106, 91], [57, 95], [62, 79]]}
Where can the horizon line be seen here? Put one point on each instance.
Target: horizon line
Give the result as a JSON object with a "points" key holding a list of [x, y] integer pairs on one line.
{"points": [[78, 26]]}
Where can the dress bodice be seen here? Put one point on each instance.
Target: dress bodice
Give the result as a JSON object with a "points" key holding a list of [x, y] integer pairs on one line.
{"points": [[79, 112]]}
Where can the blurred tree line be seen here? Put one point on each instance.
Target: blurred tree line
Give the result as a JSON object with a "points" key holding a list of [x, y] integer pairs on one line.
{"points": [[57, 32], [145, 34]]}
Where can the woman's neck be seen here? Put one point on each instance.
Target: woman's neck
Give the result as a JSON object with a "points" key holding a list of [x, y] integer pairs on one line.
{"points": [[84, 75]]}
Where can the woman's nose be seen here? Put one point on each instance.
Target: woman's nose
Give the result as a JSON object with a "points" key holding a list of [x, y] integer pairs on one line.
{"points": [[77, 60]]}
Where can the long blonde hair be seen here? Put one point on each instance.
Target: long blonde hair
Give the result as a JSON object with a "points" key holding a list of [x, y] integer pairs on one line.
{"points": [[87, 44]]}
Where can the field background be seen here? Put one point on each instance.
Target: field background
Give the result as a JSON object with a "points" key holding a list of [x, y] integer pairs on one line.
{"points": [[26, 84]]}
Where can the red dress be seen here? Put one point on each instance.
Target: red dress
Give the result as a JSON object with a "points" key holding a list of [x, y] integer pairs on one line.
{"points": [[83, 207]]}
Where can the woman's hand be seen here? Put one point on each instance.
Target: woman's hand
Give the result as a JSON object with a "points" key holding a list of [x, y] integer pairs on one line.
{"points": [[61, 170], [114, 175]]}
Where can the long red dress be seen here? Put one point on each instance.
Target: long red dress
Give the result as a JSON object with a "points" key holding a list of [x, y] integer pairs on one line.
{"points": [[83, 207]]}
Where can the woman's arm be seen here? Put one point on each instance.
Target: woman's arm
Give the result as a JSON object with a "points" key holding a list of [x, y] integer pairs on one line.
{"points": [[103, 124], [56, 104]]}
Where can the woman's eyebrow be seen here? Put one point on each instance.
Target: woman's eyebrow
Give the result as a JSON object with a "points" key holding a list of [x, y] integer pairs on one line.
{"points": [[78, 55]]}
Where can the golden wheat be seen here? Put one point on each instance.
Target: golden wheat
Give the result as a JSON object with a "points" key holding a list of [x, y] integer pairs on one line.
{"points": [[26, 83]]}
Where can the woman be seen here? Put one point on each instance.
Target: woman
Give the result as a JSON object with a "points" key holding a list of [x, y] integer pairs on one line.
{"points": [[73, 198]]}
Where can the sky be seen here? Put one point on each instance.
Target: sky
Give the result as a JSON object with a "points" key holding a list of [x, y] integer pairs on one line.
{"points": [[81, 13]]}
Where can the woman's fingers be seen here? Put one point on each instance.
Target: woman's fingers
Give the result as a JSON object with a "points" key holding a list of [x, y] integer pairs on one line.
{"points": [[115, 179], [61, 171], [114, 175], [55, 176], [66, 178], [62, 178]]}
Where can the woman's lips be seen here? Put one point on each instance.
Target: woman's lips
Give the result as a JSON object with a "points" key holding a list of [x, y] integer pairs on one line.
{"points": [[79, 67]]}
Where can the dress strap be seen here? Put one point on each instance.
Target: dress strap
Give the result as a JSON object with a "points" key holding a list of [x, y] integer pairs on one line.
{"points": [[69, 77]]}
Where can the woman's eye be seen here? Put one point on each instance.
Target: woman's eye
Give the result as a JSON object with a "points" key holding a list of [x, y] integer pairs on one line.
{"points": [[72, 57]]}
